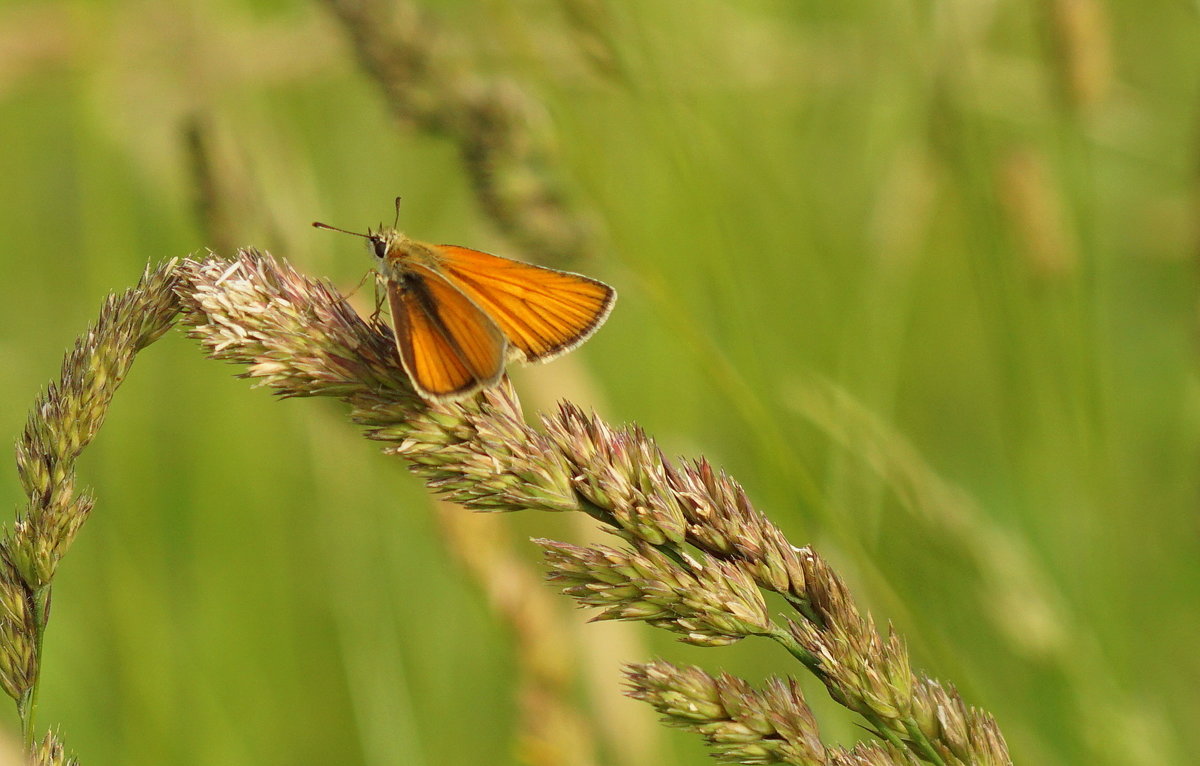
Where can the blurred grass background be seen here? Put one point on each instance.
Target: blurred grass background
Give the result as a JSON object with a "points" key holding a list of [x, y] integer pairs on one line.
{"points": [[921, 276]]}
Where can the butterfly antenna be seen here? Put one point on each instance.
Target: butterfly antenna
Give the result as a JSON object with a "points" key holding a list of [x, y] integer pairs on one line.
{"points": [[396, 223], [319, 225]]}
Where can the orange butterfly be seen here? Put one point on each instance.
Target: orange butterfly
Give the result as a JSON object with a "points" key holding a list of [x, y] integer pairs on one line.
{"points": [[459, 315]]}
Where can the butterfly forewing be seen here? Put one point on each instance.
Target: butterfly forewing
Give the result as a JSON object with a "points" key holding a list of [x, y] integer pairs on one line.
{"points": [[542, 312], [449, 346]]}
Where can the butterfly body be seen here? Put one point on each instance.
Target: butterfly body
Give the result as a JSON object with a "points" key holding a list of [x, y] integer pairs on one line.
{"points": [[460, 315]]}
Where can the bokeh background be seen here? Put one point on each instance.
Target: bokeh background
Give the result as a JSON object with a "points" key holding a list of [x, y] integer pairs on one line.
{"points": [[922, 276]]}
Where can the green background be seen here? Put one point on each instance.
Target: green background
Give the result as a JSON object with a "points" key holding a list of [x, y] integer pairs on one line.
{"points": [[922, 276]]}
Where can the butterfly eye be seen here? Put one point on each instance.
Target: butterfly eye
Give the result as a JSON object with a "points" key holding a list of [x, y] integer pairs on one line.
{"points": [[379, 247]]}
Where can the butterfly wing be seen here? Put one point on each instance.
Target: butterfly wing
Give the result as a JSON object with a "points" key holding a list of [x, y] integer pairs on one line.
{"points": [[450, 348], [542, 312]]}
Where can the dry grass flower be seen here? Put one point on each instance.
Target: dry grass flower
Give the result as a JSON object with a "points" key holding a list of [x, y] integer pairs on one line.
{"points": [[709, 601], [741, 724], [50, 752]]}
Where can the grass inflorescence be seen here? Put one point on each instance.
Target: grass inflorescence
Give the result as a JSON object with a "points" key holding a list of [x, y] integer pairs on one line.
{"points": [[697, 554], [64, 420]]}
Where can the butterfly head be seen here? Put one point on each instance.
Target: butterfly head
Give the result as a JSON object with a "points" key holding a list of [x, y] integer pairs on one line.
{"points": [[394, 251], [384, 244], [388, 246], [381, 243]]}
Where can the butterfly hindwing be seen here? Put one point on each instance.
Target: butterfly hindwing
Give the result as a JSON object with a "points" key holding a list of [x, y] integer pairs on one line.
{"points": [[449, 345], [542, 312]]}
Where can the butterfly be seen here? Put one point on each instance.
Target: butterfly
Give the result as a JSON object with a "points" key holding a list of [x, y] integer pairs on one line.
{"points": [[460, 315]]}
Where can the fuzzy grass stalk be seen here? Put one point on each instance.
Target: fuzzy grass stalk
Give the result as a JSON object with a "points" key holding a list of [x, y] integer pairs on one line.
{"points": [[422, 78], [549, 730], [64, 420], [698, 554]]}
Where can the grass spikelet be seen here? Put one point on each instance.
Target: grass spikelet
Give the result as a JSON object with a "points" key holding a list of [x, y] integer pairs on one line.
{"points": [[50, 752], [711, 603], [741, 724]]}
